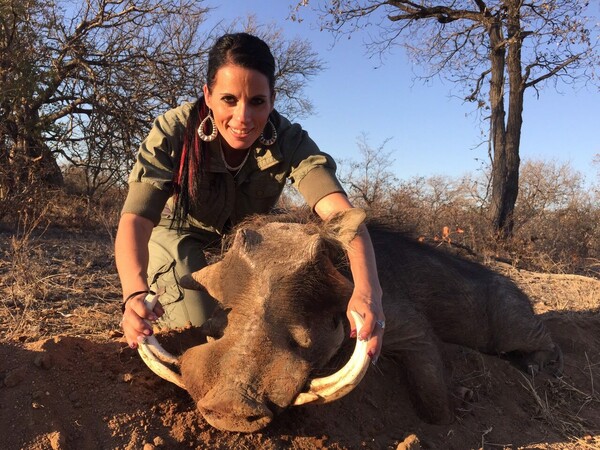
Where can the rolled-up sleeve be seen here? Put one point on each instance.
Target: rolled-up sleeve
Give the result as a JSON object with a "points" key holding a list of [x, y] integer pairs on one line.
{"points": [[151, 179], [318, 183], [312, 171]]}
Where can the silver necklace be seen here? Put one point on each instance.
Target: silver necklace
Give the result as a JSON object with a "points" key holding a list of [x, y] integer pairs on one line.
{"points": [[237, 168]]}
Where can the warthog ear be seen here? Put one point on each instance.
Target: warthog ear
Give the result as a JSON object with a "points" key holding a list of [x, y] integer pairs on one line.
{"points": [[344, 224], [206, 279]]}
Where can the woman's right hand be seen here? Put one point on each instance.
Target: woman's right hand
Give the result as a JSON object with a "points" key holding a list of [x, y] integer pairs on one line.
{"points": [[131, 257], [137, 317]]}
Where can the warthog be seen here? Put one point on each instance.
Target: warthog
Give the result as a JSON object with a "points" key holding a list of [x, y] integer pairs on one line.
{"points": [[282, 317]]}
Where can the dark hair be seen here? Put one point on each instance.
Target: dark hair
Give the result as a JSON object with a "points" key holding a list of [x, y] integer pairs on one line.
{"points": [[244, 50], [240, 49]]}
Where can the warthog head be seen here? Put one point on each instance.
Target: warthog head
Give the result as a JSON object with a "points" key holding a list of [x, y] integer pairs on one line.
{"points": [[279, 320]]}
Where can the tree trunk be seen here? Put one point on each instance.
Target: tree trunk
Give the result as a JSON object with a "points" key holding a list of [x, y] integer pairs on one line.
{"points": [[506, 139], [27, 161], [498, 131], [515, 116], [34, 163], [29, 158]]}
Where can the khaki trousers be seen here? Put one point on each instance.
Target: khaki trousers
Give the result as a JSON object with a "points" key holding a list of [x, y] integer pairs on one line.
{"points": [[173, 255]]}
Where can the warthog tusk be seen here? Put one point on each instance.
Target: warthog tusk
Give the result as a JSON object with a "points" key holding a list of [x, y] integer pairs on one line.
{"points": [[335, 386], [157, 366], [154, 355]]}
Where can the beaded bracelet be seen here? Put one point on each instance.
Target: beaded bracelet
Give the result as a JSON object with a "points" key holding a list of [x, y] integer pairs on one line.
{"points": [[135, 294]]}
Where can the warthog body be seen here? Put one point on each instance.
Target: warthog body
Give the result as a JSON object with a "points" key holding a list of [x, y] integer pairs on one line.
{"points": [[283, 313]]}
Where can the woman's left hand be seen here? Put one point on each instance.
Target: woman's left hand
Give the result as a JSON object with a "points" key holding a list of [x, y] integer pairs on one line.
{"points": [[367, 294], [369, 307]]}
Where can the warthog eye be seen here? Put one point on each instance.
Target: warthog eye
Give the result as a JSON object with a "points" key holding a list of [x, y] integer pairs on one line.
{"points": [[336, 321], [215, 326], [299, 337]]}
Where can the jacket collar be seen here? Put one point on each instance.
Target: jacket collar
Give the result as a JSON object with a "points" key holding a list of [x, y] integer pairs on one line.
{"points": [[260, 157]]}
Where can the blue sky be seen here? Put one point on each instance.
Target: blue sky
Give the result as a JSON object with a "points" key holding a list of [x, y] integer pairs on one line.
{"points": [[431, 132]]}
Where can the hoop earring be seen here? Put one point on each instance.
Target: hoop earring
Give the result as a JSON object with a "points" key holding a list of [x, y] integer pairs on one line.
{"points": [[213, 135], [265, 141]]}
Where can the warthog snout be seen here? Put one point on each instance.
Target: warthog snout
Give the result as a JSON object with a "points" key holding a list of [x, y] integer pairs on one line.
{"points": [[234, 410]]}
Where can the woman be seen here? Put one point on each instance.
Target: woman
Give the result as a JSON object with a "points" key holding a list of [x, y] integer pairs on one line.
{"points": [[205, 166]]}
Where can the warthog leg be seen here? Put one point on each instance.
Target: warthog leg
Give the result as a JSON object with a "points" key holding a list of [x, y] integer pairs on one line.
{"points": [[335, 386], [154, 355]]}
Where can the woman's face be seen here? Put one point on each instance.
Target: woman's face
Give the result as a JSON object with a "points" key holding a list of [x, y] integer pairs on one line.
{"points": [[241, 102]]}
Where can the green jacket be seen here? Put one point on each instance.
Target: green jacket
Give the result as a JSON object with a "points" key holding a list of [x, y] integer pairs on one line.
{"points": [[255, 189]]}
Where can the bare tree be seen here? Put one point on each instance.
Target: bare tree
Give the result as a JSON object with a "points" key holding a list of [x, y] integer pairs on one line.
{"points": [[596, 185], [556, 217], [369, 180], [496, 49], [296, 63], [81, 84]]}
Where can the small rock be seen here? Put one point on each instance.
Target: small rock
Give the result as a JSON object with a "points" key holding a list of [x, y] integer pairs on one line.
{"points": [[43, 361], [115, 334], [158, 441], [57, 440], [36, 395], [410, 443], [127, 377], [14, 377], [148, 446]]}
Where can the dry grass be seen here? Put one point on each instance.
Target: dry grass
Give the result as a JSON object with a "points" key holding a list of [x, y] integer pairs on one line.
{"points": [[555, 292], [559, 403], [57, 273], [56, 282], [61, 280]]}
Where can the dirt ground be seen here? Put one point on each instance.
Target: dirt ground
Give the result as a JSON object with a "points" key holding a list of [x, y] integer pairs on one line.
{"points": [[68, 381]]}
